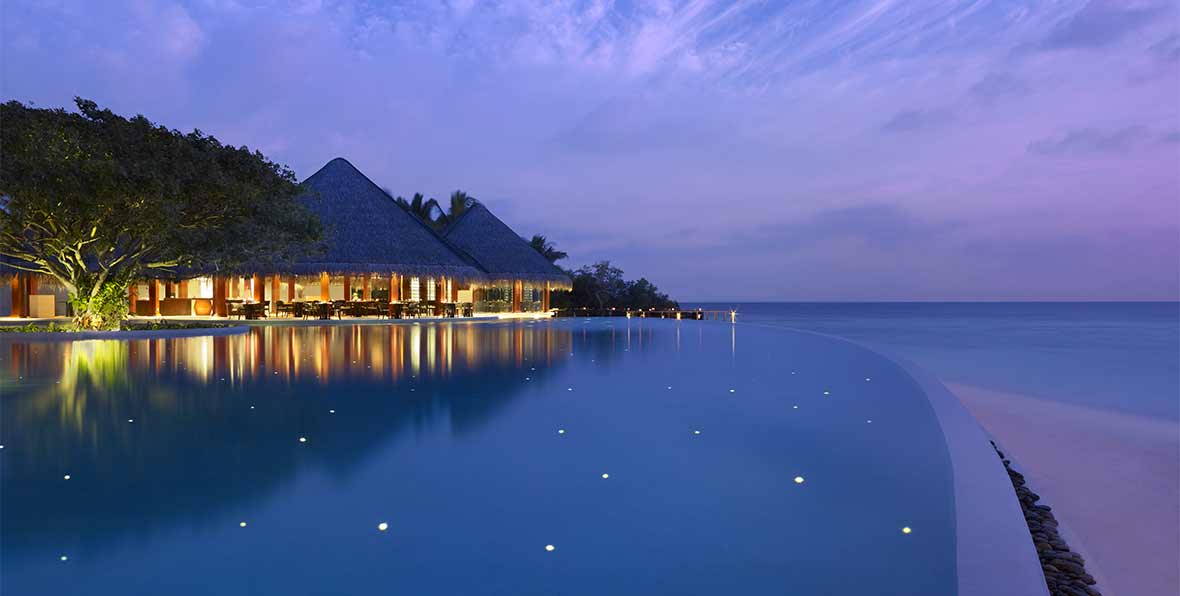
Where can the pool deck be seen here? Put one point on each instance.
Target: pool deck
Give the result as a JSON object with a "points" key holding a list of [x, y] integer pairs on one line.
{"points": [[233, 326]]}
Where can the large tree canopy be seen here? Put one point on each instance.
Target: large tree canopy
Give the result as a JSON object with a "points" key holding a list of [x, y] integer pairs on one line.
{"points": [[93, 199]]}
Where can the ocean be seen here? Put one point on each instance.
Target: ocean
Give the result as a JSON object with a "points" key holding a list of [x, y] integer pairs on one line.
{"points": [[1117, 356]]}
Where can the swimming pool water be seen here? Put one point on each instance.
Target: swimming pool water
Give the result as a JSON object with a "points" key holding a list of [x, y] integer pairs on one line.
{"points": [[655, 457]]}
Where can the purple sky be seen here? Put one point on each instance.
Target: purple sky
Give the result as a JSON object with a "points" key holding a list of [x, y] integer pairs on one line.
{"points": [[725, 150]]}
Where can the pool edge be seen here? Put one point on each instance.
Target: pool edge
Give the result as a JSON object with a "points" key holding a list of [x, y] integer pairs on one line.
{"points": [[40, 336], [991, 533]]}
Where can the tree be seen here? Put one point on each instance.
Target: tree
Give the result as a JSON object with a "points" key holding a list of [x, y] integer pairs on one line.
{"points": [[542, 245], [419, 207], [430, 212], [459, 204], [96, 201], [602, 286]]}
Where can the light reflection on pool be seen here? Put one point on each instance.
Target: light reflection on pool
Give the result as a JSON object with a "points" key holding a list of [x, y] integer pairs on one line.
{"points": [[449, 458]]}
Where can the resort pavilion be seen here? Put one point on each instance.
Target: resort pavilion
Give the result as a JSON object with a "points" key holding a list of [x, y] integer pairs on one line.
{"points": [[378, 260], [519, 278]]}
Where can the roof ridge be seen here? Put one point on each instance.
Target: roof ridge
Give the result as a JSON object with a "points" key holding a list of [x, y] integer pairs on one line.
{"points": [[475, 203]]}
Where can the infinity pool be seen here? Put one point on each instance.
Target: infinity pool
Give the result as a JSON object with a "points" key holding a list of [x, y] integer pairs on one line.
{"points": [[605, 456]]}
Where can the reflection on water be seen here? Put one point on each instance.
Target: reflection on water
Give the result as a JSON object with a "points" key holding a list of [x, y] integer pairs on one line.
{"points": [[187, 424], [673, 471]]}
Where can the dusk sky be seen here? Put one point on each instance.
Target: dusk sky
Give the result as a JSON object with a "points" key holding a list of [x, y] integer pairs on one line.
{"points": [[815, 150]]}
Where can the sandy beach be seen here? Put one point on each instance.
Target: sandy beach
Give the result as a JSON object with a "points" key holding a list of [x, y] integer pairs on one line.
{"points": [[1113, 480]]}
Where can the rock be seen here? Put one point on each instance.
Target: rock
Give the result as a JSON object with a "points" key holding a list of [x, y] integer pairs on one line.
{"points": [[1064, 570]]}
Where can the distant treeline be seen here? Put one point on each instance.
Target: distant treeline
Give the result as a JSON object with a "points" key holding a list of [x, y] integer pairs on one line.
{"points": [[602, 286]]}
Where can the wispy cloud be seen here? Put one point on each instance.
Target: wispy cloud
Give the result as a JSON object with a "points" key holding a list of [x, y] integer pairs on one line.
{"points": [[876, 224], [916, 120], [998, 86], [1100, 23], [1091, 140]]}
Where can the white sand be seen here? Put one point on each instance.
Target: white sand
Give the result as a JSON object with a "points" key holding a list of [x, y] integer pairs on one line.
{"points": [[1112, 479]]}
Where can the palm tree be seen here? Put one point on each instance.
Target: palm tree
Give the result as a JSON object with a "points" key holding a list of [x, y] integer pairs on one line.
{"points": [[420, 207], [460, 203], [542, 245]]}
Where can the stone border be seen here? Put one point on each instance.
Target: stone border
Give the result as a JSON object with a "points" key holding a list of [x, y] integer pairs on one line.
{"points": [[129, 334], [1065, 570]]}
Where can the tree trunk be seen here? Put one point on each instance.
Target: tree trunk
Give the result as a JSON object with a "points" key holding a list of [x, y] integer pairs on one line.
{"points": [[99, 302]]}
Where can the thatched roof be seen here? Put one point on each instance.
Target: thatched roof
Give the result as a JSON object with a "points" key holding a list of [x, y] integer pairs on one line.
{"points": [[366, 232], [499, 251]]}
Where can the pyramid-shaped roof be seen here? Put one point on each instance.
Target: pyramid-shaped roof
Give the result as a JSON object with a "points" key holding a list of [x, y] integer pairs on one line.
{"points": [[365, 231], [499, 251]]}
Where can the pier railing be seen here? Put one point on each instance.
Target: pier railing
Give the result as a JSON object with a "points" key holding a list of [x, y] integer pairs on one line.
{"points": [[697, 314]]}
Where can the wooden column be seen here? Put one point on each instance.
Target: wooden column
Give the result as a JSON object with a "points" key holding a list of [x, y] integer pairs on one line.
{"points": [[20, 295], [154, 297], [454, 290], [517, 294], [325, 296], [274, 294], [291, 289], [182, 288], [347, 286], [259, 289], [220, 289], [366, 291], [394, 288], [438, 295], [132, 296], [545, 298]]}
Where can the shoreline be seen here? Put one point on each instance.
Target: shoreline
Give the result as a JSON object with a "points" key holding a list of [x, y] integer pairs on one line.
{"points": [[1112, 478]]}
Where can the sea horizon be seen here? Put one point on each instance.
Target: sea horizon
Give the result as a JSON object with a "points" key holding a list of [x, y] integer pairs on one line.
{"points": [[1114, 356]]}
